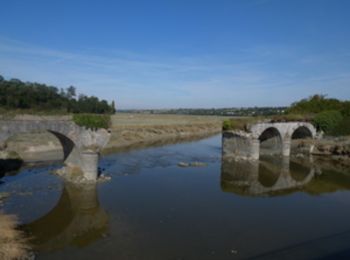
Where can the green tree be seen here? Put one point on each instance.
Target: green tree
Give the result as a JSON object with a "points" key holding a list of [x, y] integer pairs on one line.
{"points": [[71, 92], [113, 107]]}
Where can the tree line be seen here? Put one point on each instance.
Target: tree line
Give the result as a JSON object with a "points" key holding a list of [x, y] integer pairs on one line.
{"points": [[31, 96]]}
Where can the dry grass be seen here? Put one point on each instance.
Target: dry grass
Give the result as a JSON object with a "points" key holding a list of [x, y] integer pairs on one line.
{"points": [[13, 244], [128, 119]]}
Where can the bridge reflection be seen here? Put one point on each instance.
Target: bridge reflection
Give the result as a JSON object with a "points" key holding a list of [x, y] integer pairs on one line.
{"points": [[76, 220], [266, 177]]}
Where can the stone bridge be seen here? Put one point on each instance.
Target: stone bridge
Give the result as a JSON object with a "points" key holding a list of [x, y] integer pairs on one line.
{"points": [[81, 146], [265, 136]]}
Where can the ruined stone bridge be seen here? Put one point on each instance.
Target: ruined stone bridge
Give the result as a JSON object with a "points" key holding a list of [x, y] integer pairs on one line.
{"points": [[265, 137], [81, 146]]}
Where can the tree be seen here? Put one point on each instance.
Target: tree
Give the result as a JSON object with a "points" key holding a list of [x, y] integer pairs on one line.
{"points": [[15, 94], [113, 107], [71, 92]]}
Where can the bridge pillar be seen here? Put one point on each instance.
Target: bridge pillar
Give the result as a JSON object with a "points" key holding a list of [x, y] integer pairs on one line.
{"points": [[89, 165], [286, 144], [255, 149]]}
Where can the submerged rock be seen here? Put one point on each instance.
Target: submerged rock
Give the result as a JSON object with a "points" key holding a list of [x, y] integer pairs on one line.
{"points": [[76, 176], [183, 164], [192, 164]]}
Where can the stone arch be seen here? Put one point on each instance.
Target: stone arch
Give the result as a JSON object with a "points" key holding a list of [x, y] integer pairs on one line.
{"points": [[66, 143], [297, 135], [302, 132], [81, 146], [270, 140]]}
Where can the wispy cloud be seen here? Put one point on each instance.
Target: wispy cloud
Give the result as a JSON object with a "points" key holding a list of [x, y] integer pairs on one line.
{"points": [[266, 75]]}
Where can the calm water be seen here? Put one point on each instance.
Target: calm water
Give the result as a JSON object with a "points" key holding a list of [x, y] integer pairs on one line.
{"points": [[154, 209]]}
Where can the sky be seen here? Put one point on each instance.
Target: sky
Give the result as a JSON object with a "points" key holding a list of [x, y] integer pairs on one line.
{"points": [[181, 53]]}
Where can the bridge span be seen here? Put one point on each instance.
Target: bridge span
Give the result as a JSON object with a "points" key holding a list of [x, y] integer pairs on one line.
{"points": [[81, 146], [265, 137]]}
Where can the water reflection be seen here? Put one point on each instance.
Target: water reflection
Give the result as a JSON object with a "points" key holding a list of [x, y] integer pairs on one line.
{"points": [[9, 166], [76, 220], [269, 176]]}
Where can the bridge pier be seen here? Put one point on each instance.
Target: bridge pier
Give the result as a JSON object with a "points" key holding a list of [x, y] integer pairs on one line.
{"points": [[89, 165], [286, 144], [255, 149], [240, 146]]}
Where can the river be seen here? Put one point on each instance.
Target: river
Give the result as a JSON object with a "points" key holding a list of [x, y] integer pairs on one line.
{"points": [[154, 209]]}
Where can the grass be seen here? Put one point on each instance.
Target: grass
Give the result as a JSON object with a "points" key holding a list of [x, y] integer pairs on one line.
{"points": [[92, 121]]}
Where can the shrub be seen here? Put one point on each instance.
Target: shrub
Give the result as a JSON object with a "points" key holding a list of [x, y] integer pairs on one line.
{"points": [[315, 104], [92, 120], [292, 118], [346, 109], [239, 123], [227, 125], [343, 128], [328, 121]]}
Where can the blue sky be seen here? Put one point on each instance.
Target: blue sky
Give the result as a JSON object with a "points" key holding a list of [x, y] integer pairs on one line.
{"points": [[167, 54]]}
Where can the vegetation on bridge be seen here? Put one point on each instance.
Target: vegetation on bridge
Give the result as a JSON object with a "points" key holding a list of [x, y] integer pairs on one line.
{"points": [[92, 121]]}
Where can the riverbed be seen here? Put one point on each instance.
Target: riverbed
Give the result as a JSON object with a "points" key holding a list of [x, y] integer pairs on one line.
{"points": [[153, 208]]}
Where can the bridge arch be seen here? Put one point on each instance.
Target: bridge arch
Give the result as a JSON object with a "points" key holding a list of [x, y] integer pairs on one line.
{"points": [[81, 146], [66, 143], [302, 130], [270, 141], [65, 132]]}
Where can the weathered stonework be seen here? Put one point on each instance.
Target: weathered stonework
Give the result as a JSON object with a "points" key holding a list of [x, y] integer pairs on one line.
{"points": [[246, 145], [81, 146]]}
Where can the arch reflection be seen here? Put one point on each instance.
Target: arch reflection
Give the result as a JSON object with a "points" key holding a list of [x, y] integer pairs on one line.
{"points": [[76, 220], [266, 177]]}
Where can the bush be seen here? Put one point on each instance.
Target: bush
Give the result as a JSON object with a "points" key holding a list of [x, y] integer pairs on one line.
{"points": [[315, 104], [343, 128], [292, 118], [227, 125], [346, 109], [328, 121], [92, 120], [239, 123]]}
